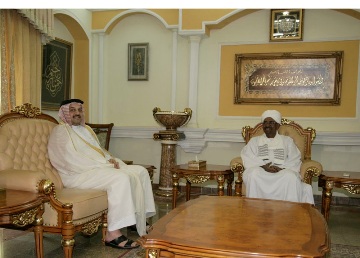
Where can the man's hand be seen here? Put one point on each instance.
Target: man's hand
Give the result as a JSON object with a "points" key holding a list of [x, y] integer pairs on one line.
{"points": [[271, 168], [116, 164]]}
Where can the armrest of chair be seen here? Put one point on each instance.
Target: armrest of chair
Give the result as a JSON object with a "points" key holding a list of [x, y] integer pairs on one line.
{"points": [[22, 180], [310, 169], [236, 166]]}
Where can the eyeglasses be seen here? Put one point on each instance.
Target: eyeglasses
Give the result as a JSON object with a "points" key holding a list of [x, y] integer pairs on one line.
{"points": [[269, 123]]}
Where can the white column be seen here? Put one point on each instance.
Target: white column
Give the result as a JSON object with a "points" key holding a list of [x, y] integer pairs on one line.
{"points": [[174, 68], [193, 77], [100, 77]]}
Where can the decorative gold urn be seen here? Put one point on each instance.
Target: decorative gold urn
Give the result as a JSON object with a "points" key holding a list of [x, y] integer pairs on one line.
{"points": [[171, 120]]}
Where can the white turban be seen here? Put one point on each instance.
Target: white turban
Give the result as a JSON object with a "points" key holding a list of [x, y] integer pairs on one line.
{"points": [[274, 114]]}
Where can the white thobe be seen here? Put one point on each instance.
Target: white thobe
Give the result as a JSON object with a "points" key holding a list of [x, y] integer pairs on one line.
{"points": [[83, 164], [283, 185]]}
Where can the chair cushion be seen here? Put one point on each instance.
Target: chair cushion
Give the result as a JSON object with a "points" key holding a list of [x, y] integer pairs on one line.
{"points": [[87, 204]]}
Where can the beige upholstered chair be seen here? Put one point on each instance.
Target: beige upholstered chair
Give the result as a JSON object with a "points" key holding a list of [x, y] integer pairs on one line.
{"points": [[24, 165], [303, 139], [103, 132]]}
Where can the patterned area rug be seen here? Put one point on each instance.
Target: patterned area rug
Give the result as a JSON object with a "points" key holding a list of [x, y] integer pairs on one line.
{"points": [[344, 251], [9, 234], [337, 251]]}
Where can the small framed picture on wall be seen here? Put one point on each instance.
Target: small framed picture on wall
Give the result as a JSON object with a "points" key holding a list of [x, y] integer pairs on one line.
{"points": [[138, 63], [286, 25]]}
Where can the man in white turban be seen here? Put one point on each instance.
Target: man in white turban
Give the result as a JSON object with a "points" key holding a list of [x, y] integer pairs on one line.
{"points": [[272, 165], [75, 152]]}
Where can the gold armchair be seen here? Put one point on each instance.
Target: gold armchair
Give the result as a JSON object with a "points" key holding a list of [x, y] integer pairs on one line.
{"points": [[303, 139], [24, 165]]}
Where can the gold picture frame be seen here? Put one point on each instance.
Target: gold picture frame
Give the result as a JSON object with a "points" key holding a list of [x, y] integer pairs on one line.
{"points": [[312, 78], [138, 61], [286, 25]]}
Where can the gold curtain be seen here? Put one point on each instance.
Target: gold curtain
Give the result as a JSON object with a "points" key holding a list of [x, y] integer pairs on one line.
{"points": [[21, 39], [42, 20]]}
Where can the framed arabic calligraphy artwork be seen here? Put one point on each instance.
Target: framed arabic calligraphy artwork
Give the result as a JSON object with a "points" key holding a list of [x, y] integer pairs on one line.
{"points": [[56, 73], [286, 25], [138, 61], [288, 78]]}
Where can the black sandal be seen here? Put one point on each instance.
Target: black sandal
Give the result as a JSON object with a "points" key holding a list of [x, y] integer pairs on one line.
{"points": [[115, 243], [132, 228]]}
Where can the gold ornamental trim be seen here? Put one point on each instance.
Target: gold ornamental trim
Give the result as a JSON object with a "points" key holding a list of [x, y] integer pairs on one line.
{"points": [[68, 242], [91, 227], [197, 179], [237, 167], [153, 253], [25, 218], [310, 173], [27, 110], [221, 177], [353, 189], [329, 184], [313, 133], [169, 136]]}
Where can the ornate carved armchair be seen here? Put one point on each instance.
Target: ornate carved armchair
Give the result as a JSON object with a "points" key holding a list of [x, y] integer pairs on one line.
{"points": [[303, 139], [103, 132], [24, 165]]}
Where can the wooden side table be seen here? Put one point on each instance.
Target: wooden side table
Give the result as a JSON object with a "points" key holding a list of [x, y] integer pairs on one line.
{"points": [[20, 209], [219, 173], [349, 181]]}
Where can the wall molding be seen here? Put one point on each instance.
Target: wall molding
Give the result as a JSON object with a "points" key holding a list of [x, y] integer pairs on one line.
{"points": [[197, 138]]}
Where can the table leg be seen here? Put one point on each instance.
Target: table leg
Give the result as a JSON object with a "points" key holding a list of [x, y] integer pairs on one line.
{"points": [[175, 181], [188, 190], [326, 199], [229, 187], [38, 233], [220, 179]]}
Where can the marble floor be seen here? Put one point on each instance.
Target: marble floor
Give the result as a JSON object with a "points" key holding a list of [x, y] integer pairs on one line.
{"points": [[344, 226]]}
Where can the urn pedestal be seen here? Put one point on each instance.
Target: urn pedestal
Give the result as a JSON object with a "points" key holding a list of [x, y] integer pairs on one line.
{"points": [[169, 138]]}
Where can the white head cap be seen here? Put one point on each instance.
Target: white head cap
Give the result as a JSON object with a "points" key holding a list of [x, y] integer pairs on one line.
{"points": [[274, 114]]}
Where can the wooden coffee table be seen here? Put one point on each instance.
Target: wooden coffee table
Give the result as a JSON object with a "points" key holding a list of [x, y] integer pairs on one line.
{"points": [[219, 173], [213, 226], [330, 179], [21, 209]]}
